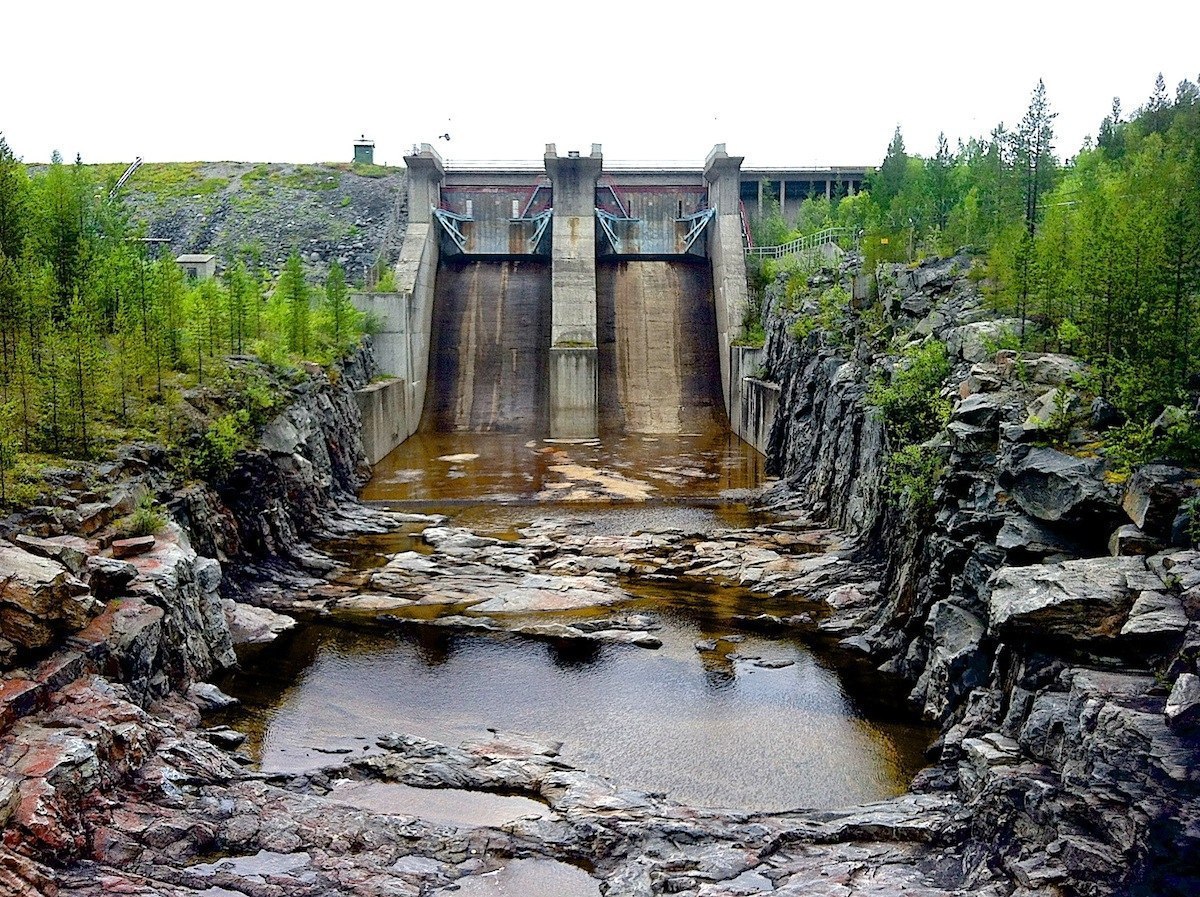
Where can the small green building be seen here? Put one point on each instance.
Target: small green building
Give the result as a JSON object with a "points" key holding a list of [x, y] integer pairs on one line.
{"points": [[364, 151]]}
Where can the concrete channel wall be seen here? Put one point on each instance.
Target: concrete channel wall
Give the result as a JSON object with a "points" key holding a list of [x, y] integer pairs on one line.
{"points": [[756, 401]]}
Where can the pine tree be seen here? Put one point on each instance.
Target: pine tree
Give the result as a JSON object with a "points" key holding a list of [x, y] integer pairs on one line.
{"points": [[939, 170], [81, 362], [893, 173], [337, 304], [8, 448], [14, 198], [1034, 154], [294, 291], [238, 287]]}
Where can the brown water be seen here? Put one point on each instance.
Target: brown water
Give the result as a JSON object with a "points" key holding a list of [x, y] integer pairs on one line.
{"points": [[760, 723], [703, 468], [714, 728]]}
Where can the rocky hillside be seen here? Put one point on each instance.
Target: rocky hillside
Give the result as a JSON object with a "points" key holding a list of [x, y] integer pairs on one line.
{"points": [[328, 212], [1043, 607]]}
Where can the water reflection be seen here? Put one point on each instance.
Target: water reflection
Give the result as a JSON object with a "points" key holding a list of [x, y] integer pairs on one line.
{"points": [[708, 727]]}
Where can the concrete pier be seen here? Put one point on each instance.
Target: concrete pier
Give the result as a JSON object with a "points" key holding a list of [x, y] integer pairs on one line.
{"points": [[730, 297], [574, 366]]}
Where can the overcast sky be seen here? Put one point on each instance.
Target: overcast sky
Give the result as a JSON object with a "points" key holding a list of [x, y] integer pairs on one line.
{"points": [[780, 83]]}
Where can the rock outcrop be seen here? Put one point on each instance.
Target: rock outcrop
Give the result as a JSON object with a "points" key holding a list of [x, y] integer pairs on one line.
{"points": [[1063, 677]]}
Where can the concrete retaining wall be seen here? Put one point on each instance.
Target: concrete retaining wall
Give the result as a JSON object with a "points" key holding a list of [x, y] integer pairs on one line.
{"points": [[384, 409], [725, 249], [405, 319], [756, 401]]}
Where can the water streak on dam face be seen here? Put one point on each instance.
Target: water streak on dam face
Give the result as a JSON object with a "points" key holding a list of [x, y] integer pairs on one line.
{"points": [[657, 336], [491, 338]]}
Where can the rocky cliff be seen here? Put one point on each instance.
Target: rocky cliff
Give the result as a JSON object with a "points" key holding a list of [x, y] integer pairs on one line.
{"points": [[100, 636], [1045, 614]]}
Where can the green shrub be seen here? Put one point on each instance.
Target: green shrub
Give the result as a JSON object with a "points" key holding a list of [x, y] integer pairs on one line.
{"points": [[1192, 508], [1137, 442], [753, 336], [912, 476], [211, 458], [1061, 420], [386, 282], [146, 520], [910, 400], [832, 313]]}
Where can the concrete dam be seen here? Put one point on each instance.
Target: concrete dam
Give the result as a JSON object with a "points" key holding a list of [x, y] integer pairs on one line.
{"points": [[565, 300]]}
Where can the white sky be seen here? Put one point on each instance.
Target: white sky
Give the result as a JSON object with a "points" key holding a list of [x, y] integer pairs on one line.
{"points": [[780, 83]]}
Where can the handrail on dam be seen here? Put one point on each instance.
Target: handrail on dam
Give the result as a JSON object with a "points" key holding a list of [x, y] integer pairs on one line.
{"points": [[801, 245]]}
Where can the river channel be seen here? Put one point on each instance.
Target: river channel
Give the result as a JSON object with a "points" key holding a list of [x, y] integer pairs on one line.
{"points": [[761, 721]]}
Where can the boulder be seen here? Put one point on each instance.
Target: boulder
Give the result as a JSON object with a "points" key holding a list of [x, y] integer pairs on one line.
{"points": [[1053, 486], [1154, 494], [1183, 706], [250, 625], [1052, 369], [1043, 409], [1105, 415], [978, 409], [1086, 599], [1129, 539], [39, 597], [974, 342], [94, 516], [109, 577], [1171, 418], [208, 697], [956, 662], [70, 551], [1156, 613], [1023, 535]]}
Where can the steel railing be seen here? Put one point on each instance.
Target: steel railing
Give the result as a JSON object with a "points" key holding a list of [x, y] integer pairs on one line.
{"points": [[803, 245]]}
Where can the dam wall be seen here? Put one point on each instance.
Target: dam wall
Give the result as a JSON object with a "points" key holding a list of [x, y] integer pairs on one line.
{"points": [[404, 318], [562, 299], [489, 365]]}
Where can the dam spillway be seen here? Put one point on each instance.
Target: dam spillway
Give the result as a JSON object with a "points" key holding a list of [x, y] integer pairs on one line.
{"points": [[658, 365], [489, 353]]}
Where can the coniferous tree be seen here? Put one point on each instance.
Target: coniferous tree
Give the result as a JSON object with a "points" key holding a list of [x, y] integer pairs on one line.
{"points": [[1034, 154], [337, 302], [294, 291]]}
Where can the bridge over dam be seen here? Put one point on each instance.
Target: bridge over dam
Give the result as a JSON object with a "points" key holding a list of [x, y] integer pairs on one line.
{"points": [[565, 299]]}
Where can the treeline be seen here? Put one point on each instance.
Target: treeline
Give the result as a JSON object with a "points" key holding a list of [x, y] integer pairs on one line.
{"points": [[100, 332], [1098, 256]]}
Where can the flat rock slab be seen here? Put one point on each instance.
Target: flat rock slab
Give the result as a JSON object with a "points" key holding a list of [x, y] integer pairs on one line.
{"points": [[251, 625], [126, 548]]}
